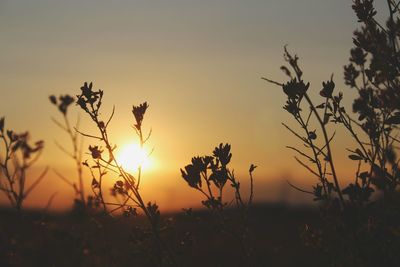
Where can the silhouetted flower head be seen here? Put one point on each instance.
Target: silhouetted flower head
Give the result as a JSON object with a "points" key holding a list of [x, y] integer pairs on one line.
{"points": [[357, 56], [154, 212], [119, 187], [364, 104], [350, 75], [358, 193], [364, 9], [66, 101], [95, 152], [318, 193], [199, 163], [252, 168], [295, 89], [219, 177], [21, 142], [138, 112], [63, 102], [327, 89], [88, 96], [312, 135], [87, 90], [390, 98], [53, 99], [292, 107], [130, 211], [223, 154], [191, 174]]}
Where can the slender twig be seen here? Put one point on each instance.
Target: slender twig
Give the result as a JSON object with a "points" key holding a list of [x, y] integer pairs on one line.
{"points": [[298, 188], [36, 182]]}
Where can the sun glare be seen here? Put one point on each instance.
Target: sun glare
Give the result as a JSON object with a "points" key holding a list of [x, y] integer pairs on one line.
{"points": [[132, 156]]}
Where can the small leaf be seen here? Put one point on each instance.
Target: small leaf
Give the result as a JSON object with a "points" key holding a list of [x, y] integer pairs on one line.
{"points": [[10, 134], [326, 117], [355, 157], [95, 184], [394, 120], [2, 124], [359, 152]]}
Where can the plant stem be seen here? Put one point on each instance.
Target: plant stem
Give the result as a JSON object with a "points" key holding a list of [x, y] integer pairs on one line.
{"points": [[328, 147]]}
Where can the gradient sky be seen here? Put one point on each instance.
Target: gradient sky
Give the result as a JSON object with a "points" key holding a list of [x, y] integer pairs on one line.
{"points": [[198, 64]]}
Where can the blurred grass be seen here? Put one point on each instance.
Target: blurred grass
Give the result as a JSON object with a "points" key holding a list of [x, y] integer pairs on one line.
{"points": [[37, 239]]}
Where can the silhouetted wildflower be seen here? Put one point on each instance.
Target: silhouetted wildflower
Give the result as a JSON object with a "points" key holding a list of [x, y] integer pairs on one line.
{"points": [[138, 112], [350, 75], [219, 177], [252, 168], [223, 154], [66, 101], [191, 174], [16, 158], [95, 152], [53, 99], [358, 56], [327, 89], [364, 9], [89, 100]]}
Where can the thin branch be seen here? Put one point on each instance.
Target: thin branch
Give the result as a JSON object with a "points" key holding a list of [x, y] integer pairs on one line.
{"points": [[296, 134], [59, 124], [301, 153], [271, 81], [35, 183], [111, 116], [148, 136], [251, 189], [298, 188], [64, 150], [62, 177], [322, 148], [49, 202], [307, 167], [88, 135]]}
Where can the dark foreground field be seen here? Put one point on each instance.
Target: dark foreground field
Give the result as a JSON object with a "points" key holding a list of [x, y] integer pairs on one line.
{"points": [[35, 239]]}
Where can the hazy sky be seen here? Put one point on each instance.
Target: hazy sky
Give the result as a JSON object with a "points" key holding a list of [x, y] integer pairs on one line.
{"points": [[198, 64]]}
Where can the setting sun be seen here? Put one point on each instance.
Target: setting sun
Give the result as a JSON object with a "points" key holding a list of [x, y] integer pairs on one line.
{"points": [[132, 156]]}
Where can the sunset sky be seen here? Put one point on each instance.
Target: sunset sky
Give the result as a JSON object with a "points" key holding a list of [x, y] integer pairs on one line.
{"points": [[197, 63]]}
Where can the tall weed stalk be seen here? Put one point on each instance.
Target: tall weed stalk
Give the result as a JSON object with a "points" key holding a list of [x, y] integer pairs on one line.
{"points": [[359, 214], [127, 184], [63, 103], [17, 157], [208, 175]]}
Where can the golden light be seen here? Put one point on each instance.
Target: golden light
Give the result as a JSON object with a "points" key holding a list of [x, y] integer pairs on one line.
{"points": [[132, 156]]}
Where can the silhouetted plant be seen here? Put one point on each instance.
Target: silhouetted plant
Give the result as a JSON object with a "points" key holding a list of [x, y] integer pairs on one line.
{"points": [[320, 155], [18, 156], [209, 175], [63, 103], [374, 71], [127, 184]]}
